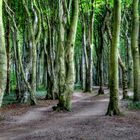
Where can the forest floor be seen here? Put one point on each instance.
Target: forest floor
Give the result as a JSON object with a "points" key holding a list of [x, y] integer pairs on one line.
{"points": [[86, 121]]}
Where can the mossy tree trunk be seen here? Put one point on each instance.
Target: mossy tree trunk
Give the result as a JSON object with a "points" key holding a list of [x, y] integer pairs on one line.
{"points": [[113, 107], [66, 57], [61, 58], [89, 48], [51, 80], [69, 54], [135, 50], [3, 58], [35, 32], [124, 78], [101, 30]]}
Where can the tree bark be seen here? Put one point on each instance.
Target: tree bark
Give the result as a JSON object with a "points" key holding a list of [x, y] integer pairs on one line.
{"points": [[61, 59], [3, 58], [124, 78], [66, 58], [8, 56], [89, 72], [69, 54], [135, 50], [113, 107]]}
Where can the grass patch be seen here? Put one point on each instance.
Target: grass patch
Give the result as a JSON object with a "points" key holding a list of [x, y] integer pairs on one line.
{"points": [[9, 99], [77, 87], [134, 105], [41, 94], [41, 88]]}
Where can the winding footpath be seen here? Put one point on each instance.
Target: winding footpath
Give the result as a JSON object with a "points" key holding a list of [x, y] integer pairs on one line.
{"points": [[86, 121]]}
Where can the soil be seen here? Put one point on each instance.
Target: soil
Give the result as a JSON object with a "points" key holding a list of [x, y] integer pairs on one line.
{"points": [[86, 121]]}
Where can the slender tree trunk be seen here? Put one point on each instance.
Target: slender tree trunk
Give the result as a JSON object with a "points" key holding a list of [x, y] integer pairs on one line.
{"points": [[3, 58], [113, 107], [8, 56], [38, 72], [129, 63], [135, 50], [61, 59], [124, 78], [84, 56], [83, 72], [89, 72], [101, 90], [77, 69], [17, 69], [52, 89]]}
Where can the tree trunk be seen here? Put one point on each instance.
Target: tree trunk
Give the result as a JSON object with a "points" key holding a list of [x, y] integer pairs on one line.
{"points": [[51, 88], [66, 81], [89, 72], [124, 78], [61, 59], [84, 55], [17, 69], [101, 47], [135, 50], [70, 54], [113, 107], [3, 58], [8, 56]]}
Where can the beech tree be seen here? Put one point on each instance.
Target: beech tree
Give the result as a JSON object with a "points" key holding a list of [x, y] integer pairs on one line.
{"points": [[113, 107], [3, 58], [135, 50], [67, 85]]}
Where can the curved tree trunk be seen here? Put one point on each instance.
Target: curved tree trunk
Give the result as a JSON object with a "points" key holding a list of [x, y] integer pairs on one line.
{"points": [[124, 78]]}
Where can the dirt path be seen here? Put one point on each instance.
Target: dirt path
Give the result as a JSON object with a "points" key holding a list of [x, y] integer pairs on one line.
{"points": [[85, 122]]}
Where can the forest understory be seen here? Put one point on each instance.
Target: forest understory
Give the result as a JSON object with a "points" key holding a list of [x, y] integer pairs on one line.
{"points": [[86, 121]]}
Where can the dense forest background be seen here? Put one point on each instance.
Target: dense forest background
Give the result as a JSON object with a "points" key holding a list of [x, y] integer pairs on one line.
{"points": [[51, 47]]}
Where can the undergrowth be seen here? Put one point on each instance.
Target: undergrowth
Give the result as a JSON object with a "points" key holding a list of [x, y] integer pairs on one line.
{"points": [[134, 105]]}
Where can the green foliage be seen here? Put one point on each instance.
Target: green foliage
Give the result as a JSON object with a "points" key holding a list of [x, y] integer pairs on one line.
{"points": [[41, 88], [41, 94], [9, 99], [135, 106], [78, 87], [12, 81]]}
